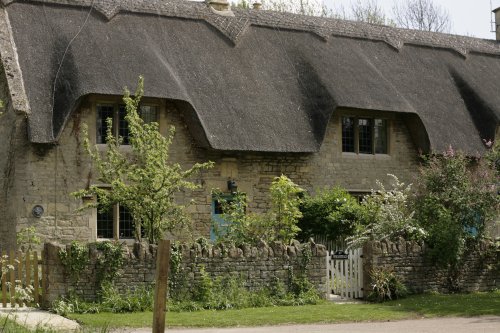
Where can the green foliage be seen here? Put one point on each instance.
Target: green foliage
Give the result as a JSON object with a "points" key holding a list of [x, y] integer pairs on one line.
{"points": [[456, 198], [285, 211], [389, 216], [279, 224], [493, 156], [109, 261], [143, 179], [62, 307], [386, 285], [229, 292], [27, 238], [204, 290], [176, 279], [136, 300], [132, 300], [241, 227], [331, 212], [306, 257], [75, 259]]}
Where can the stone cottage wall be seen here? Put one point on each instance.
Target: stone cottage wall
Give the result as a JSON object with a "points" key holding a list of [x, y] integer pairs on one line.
{"points": [[46, 175], [481, 270], [258, 266]]}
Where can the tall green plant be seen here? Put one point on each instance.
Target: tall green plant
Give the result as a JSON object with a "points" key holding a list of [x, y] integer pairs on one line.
{"points": [[285, 208], [456, 198], [143, 180], [27, 238]]}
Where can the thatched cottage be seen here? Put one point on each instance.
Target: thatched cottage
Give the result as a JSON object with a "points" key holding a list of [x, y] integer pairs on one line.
{"points": [[324, 101]]}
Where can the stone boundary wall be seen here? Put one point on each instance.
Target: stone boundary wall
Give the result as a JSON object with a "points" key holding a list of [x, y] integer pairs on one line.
{"points": [[257, 265], [480, 272]]}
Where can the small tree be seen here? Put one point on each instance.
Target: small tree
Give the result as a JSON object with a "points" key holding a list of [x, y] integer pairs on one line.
{"points": [[144, 180], [368, 11], [421, 15], [285, 207]]}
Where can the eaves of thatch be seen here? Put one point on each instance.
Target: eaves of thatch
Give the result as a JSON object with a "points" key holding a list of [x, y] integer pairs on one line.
{"points": [[256, 81]]}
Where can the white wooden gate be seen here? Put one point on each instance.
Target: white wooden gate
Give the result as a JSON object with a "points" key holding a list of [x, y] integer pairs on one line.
{"points": [[345, 273]]}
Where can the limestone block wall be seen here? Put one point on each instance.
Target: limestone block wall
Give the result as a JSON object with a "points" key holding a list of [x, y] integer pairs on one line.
{"points": [[13, 134], [258, 266], [480, 272], [46, 175]]}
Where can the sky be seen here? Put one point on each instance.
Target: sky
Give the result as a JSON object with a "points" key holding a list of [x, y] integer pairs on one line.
{"points": [[468, 17]]}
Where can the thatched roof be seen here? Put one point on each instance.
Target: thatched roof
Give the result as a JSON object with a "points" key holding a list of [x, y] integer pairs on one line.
{"points": [[258, 81]]}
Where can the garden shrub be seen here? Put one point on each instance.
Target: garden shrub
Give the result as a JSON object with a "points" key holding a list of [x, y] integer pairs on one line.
{"points": [[331, 212], [285, 212], [132, 300], [242, 227], [388, 216], [109, 261], [75, 259], [111, 300], [229, 292], [386, 285], [455, 200], [278, 224]]}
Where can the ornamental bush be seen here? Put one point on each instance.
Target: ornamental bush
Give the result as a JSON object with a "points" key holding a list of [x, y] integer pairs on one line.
{"points": [[388, 215], [386, 285], [332, 213], [455, 199]]}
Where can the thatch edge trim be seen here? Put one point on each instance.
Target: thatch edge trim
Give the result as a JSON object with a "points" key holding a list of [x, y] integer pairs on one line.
{"points": [[12, 68], [321, 27]]}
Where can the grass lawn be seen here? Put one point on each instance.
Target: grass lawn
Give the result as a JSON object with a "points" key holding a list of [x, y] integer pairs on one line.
{"points": [[326, 312]]}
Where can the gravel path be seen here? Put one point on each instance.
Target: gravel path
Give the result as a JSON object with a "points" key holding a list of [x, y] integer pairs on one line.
{"points": [[486, 324]]}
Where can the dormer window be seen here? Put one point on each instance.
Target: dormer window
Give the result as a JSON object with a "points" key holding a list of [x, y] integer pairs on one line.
{"points": [[364, 135], [116, 112]]}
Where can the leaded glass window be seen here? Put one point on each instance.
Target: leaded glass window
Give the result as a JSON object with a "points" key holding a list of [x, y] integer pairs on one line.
{"points": [[380, 136], [126, 223], [363, 135], [117, 113], [103, 113], [348, 134], [149, 114], [105, 222]]}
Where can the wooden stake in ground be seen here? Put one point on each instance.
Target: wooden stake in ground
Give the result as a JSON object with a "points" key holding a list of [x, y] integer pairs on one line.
{"points": [[162, 267]]}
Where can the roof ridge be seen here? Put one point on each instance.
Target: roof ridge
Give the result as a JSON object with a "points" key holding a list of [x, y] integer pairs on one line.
{"points": [[234, 27]]}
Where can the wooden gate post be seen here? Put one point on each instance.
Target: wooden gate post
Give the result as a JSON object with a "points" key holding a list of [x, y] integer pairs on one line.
{"points": [[162, 267]]}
